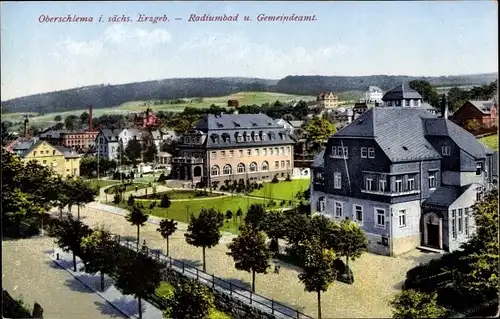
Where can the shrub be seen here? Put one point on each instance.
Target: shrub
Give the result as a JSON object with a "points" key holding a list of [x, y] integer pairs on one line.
{"points": [[283, 203], [165, 201], [131, 200], [344, 273], [275, 179], [116, 199], [162, 178], [288, 178]]}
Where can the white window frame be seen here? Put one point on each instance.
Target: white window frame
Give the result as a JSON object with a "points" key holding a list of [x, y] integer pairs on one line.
{"points": [[460, 220], [231, 153], [371, 184], [321, 204], [445, 149], [410, 181], [264, 151], [402, 216], [454, 223], [335, 206], [364, 151], [223, 154], [400, 182], [355, 213], [249, 152], [380, 183], [213, 155], [376, 214], [345, 151], [334, 150], [432, 177], [337, 180], [371, 152]]}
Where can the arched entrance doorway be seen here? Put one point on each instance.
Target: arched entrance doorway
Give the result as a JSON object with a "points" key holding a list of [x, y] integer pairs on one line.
{"points": [[182, 173], [433, 231]]}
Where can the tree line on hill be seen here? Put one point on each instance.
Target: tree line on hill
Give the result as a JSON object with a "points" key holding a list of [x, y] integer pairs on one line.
{"points": [[102, 96]]}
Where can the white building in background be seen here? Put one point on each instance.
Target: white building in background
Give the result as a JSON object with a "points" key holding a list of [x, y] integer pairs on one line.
{"points": [[108, 140], [374, 95]]}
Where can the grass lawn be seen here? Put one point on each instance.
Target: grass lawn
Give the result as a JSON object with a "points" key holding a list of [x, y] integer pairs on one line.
{"points": [[490, 141], [166, 289], [282, 190], [129, 188], [101, 183], [182, 194], [182, 210]]}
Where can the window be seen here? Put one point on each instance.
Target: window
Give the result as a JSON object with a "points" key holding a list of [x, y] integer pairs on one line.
{"points": [[466, 220], [402, 218], [479, 168], [265, 166], [276, 164], [321, 204], [53, 152], [358, 213], [399, 186], [398, 103], [215, 170], [334, 150], [389, 103], [253, 167], [371, 152], [231, 153], [346, 151], [478, 195], [338, 209], [222, 154], [241, 168], [445, 149], [241, 153], [460, 220], [369, 184], [382, 183], [264, 151], [282, 150], [213, 155], [34, 153], [44, 162], [282, 164], [407, 102], [270, 151], [340, 151], [276, 151], [249, 152], [415, 102], [453, 223], [187, 140], [380, 217], [288, 149], [364, 152], [432, 180], [227, 170], [256, 152], [247, 138], [288, 164], [337, 180], [410, 183], [240, 138]]}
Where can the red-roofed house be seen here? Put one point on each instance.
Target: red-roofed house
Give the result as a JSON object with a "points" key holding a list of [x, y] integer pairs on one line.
{"points": [[485, 112]]}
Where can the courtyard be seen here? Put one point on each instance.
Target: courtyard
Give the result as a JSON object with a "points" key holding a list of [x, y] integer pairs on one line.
{"points": [[377, 278]]}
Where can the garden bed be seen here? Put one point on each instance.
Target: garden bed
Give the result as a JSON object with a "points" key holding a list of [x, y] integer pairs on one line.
{"points": [[128, 187]]}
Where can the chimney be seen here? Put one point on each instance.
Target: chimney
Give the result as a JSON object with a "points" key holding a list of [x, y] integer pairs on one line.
{"points": [[91, 127], [26, 127], [446, 112]]}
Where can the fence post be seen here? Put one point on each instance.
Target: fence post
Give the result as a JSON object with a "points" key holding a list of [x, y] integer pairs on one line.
{"points": [[170, 258], [182, 266], [197, 274], [213, 280], [272, 306], [230, 289], [251, 297]]}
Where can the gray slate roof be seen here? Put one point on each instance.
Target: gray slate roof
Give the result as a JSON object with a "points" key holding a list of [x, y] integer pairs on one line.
{"points": [[319, 160], [397, 130], [211, 122], [483, 106], [401, 92], [464, 140], [374, 89], [444, 196], [68, 153], [53, 133], [110, 134]]}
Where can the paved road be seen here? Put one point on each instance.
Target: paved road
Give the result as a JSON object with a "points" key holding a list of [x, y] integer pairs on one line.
{"points": [[27, 271]]}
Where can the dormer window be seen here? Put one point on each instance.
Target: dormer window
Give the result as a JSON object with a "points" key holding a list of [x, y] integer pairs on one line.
{"points": [[479, 168], [445, 149], [407, 102], [398, 103], [256, 138], [389, 103], [187, 140]]}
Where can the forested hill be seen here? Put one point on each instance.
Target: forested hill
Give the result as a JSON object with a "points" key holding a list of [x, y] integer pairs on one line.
{"points": [[112, 95]]}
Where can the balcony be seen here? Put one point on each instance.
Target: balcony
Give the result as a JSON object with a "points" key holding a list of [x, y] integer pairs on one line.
{"points": [[389, 193], [187, 160]]}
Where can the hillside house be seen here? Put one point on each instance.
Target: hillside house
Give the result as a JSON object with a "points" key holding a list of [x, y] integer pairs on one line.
{"points": [[484, 112], [327, 100], [374, 94]]}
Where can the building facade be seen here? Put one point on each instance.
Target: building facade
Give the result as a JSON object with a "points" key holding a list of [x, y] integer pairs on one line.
{"points": [[484, 112], [374, 94], [407, 177], [108, 141], [234, 147], [327, 100], [404, 96], [79, 141], [146, 119]]}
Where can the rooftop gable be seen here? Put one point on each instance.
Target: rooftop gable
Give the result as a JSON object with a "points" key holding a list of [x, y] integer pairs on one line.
{"points": [[401, 92]]}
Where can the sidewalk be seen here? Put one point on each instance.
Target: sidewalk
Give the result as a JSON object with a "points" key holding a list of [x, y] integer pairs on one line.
{"points": [[126, 304]]}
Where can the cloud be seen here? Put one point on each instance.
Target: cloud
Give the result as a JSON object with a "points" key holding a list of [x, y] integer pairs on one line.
{"points": [[113, 35]]}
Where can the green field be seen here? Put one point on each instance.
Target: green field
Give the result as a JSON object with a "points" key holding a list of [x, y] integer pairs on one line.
{"points": [[244, 98], [101, 183], [166, 289], [181, 194], [128, 188], [282, 190], [181, 210], [490, 141]]}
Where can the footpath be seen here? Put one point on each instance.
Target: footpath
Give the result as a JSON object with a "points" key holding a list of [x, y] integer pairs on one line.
{"points": [[126, 304]]}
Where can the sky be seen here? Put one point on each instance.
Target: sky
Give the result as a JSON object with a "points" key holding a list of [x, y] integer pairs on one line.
{"points": [[416, 38]]}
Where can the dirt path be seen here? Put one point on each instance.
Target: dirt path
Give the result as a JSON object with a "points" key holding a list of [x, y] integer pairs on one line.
{"points": [[28, 271]]}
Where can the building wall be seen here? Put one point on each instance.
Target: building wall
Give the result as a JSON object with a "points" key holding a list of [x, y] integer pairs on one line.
{"points": [[407, 237], [47, 155], [467, 199]]}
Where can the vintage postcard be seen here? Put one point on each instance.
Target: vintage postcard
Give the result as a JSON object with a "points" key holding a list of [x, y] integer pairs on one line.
{"points": [[249, 159]]}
